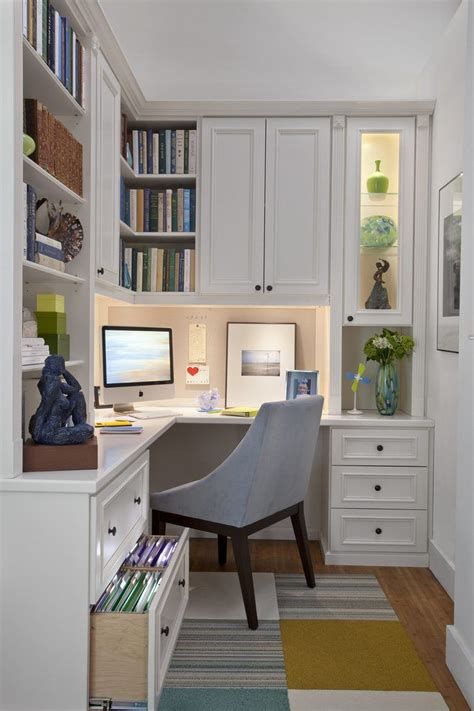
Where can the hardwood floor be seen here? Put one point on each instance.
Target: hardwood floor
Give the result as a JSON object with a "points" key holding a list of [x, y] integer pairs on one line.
{"points": [[420, 602]]}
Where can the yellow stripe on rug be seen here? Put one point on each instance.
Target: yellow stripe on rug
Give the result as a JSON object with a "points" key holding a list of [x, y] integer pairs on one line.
{"points": [[352, 654]]}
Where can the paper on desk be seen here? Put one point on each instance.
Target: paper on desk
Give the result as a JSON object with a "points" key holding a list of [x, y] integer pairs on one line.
{"points": [[197, 345]]}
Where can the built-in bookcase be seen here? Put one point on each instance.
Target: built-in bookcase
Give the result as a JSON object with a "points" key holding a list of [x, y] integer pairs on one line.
{"points": [[158, 215]]}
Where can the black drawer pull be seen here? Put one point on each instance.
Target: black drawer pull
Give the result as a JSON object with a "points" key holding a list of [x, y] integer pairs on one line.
{"points": [[377, 487], [350, 318], [113, 531], [378, 531], [137, 500], [100, 271], [165, 630], [257, 287], [182, 582], [380, 448], [269, 287]]}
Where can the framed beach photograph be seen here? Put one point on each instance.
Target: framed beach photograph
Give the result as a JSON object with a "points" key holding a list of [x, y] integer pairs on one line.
{"points": [[258, 356], [449, 264], [300, 383]]}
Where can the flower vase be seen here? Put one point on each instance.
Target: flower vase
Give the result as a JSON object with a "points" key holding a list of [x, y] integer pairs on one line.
{"points": [[386, 389]]}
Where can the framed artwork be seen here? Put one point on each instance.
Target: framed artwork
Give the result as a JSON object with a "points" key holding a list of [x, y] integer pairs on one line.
{"points": [[300, 383], [258, 356], [449, 264]]}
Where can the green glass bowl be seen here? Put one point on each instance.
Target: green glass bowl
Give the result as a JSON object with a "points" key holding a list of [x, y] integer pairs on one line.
{"points": [[378, 231]]}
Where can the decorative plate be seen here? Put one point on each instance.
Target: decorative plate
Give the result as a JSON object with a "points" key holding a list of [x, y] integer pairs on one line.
{"points": [[67, 229], [378, 231]]}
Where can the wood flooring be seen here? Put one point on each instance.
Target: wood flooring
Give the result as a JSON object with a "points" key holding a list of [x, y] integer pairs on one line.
{"points": [[420, 602]]}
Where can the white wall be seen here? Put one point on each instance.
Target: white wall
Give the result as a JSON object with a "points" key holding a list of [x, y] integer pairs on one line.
{"points": [[443, 78]]}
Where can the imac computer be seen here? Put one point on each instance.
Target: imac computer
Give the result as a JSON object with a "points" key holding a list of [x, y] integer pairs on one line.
{"points": [[137, 365]]}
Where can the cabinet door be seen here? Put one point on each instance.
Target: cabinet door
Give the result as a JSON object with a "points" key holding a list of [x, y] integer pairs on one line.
{"points": [[297, 206], [379, 221], [108, 173], [232, 205]]}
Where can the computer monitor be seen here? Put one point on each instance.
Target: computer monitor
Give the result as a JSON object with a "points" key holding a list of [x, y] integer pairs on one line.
{"points": [[137, 365]]}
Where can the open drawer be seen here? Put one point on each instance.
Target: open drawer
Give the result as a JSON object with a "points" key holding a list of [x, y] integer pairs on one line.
{"points": [[130, 651]]}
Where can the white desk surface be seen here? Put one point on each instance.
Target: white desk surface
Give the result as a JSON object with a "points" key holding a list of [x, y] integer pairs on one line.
{"points": [[118, 451]]}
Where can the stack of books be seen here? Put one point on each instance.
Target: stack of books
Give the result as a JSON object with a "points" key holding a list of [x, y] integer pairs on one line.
{"points": [[56, 42], [38, 248], [147, 210], [165, 151], [34, 351], [57, 151], [156, 269]]}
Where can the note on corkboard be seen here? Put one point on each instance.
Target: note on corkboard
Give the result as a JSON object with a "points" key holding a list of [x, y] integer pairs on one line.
{"points": [[197, 343]]}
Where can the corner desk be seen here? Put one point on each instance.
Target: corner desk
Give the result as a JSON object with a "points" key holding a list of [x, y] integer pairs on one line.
{"points": [[371, 484]]}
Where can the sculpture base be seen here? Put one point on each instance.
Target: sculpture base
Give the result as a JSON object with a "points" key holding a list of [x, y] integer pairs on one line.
{"points": [[53, 458]]}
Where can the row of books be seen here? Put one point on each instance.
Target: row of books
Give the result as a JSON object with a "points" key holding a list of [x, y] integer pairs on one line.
{"points": [[34, 351], [57, 151], [56, 42], [37, 247], [148, 210], [166, 151], [154, 269]]}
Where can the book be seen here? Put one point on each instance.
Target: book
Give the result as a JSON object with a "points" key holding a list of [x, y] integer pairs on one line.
{"points": [[240, 411], [180, 209], [186, 152], [46, 261], [179, 151], [48, 240], [48, 251], [173, 152], [31, 223], [149, 151], [162, 152], [187, 210], [127, 429], [168, 151], [168, 224], [135, 151], [139, 282], [192, 151], [156, 153]]}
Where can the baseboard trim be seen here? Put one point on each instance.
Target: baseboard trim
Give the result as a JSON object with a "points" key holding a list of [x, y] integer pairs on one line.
{"points": [[460, 663], [405, 560], [442, 568]]}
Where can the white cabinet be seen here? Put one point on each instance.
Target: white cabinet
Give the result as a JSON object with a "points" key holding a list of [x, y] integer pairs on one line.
{"points": [[107, 173], [265, 207], [379, 221]]}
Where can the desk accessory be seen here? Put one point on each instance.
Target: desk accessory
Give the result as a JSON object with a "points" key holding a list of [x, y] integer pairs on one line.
{"points": [[197, 375], [209, 400], [240, 411], [357, 378]]}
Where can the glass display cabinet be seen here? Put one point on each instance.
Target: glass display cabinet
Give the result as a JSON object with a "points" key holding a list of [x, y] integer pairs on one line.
{"points": [[378, 274]]}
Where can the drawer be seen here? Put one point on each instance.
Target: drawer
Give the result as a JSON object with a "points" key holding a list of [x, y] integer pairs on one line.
{"points": [[396, 447], [379, 487], [384, 531], [130, 651], [119, 514]]}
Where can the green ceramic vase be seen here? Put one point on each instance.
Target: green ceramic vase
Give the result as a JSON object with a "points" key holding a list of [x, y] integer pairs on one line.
{"points": [[29, 146], [377, 182]]}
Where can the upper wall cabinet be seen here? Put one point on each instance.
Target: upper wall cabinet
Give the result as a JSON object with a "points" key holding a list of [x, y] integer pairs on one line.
{"points": [[107, 173], [379, 221], [265, 207]]}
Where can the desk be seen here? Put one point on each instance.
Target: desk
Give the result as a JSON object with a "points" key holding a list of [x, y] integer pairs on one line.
{"points": [[53, 551]]}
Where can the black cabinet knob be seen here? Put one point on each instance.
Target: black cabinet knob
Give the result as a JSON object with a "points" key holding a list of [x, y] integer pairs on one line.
{"points": [[269, 287], [257, 287], [380, 448], [165, 630], [112, 531], [182, 582], [377, 487], [378, 531], [137, 500], [100, 271], [350, 318]]}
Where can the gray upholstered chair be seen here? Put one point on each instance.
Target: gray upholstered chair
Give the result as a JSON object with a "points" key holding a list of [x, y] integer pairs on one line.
{"points": [[263, 481]]}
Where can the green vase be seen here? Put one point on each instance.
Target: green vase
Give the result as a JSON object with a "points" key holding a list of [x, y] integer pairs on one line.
{"points": [[387, 389], [377, 182], [29, 146]]}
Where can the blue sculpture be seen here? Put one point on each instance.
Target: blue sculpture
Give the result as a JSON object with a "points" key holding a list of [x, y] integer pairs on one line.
{"points": [[61, 399]]}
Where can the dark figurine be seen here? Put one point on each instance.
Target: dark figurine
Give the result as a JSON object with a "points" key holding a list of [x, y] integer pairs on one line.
{"points": [[378, 298], [61, 400]]}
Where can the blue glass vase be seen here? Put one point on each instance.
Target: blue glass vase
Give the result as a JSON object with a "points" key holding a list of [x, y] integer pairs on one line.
{"points": [[386, 389]]}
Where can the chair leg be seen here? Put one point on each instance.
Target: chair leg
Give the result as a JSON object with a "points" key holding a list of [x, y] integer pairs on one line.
{"points": [[240, 545], [158, 526], [301, 535], [222, 549]]}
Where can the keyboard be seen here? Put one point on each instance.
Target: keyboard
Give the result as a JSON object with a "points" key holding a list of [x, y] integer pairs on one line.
{"points": [[152, 414]]}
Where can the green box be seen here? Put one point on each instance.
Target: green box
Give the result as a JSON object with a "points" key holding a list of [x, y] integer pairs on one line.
{"points": [[58, 344], [50, 322], [50, 302]]}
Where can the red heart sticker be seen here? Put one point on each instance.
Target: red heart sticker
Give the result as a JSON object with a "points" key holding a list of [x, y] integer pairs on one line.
{"points": [[192, 370]]}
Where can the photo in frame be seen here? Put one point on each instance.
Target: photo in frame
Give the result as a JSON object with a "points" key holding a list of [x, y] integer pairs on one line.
{"points": [[258, 357], [449, 264], [300, 383]]}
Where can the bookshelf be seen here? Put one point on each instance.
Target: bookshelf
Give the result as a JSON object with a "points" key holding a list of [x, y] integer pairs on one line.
{"points": [[34, 371], [48, 185], [39, 274]]}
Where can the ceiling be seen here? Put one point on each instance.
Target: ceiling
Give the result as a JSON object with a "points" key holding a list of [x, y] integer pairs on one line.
{"points": [[292, 50]]}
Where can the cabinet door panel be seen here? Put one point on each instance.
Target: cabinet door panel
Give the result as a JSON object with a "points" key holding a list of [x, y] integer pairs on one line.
{"points": [[232, 198], [108, 172], [297, 206]]}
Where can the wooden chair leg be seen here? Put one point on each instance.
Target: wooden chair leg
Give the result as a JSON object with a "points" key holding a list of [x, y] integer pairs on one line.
{"points": [[222, 549], [301, 535], [240, 545], [158, 526]]}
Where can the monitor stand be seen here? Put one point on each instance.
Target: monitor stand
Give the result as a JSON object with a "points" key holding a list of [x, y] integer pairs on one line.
{"points": [[123, 408]]}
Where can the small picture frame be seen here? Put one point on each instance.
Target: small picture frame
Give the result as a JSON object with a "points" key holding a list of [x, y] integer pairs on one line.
{"points": [[300, 383]]}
